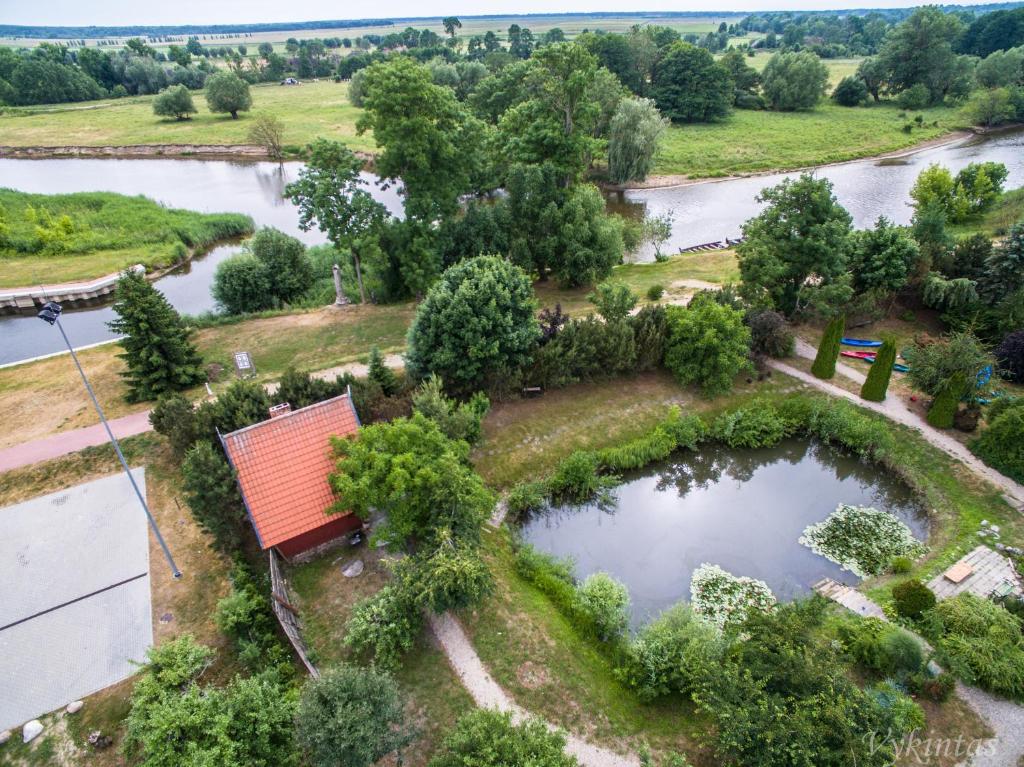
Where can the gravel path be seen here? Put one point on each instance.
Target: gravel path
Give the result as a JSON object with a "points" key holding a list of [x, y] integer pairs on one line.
{"points": [[1005, 718], [488, 694], [894, 409]]}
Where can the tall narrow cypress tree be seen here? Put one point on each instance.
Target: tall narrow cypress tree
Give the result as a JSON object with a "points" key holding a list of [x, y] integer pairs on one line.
{"points": [[944, 406], [877, 382], [157, 350], [828, 350]]}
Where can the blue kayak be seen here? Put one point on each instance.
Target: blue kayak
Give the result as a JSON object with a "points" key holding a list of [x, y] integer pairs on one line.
{"points": [[859, 342]]}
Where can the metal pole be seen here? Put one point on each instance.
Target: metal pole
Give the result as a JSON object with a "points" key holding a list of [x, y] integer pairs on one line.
{"points": [[117, 448]]}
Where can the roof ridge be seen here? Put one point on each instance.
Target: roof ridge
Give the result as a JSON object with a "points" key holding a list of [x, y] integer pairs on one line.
{"points": [[280, 418]]}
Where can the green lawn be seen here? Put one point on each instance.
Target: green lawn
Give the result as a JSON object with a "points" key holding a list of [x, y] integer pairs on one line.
{"points": [[308, 111], [68, 237], [750, 141]]}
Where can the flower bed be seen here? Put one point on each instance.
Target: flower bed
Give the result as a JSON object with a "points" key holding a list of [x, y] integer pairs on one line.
{"points": [[721, 597], [861, 539]]}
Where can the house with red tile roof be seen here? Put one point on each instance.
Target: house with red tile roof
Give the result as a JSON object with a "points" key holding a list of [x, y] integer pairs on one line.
{"points": [[283, 466]]}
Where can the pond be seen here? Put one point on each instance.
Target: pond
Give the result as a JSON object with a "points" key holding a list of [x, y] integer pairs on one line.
{"points": [[743, 510], [702, 212]]}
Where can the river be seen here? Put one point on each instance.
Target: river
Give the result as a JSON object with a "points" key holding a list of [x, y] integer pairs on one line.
{"points": [[702, 212]]}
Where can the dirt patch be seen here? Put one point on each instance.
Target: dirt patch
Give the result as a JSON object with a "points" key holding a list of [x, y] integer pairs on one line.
{"points": [[531, 676]]}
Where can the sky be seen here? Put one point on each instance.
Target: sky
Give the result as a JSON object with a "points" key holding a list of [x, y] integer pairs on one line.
{"points": [[123, 12]]}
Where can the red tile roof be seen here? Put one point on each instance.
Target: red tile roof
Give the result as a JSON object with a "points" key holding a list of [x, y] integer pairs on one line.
{"points": [[283, 465]]}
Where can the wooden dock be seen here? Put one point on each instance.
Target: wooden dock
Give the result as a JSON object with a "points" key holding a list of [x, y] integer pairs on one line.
{"points": [[849, 598]]}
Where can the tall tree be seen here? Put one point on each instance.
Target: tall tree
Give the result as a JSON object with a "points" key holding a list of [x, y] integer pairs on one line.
{"points": [[690, 86], [451, 23], [796, 246], [157, 350], [828, 349], [793, 81], [919, 51], [633, 140], [227, 92], [476, 326], [429, 141], [329, 194], [877, 382]]}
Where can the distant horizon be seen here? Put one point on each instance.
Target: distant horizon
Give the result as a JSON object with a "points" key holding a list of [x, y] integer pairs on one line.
{"points": [[127, 13]]}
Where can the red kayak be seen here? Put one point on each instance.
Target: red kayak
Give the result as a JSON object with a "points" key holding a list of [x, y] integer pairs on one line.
{"points": [[859, 355]]}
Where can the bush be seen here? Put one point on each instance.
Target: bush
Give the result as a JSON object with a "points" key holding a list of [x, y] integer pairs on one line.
{"points": [[1010, 357], [670, 655], [839, 423], [351, 716], [882, 647], [245, 617], [915, 97], [770, 334], [526, 497], [174, 417], [384, 626], [756, 425], [981, 643], [877, 383], [576, 478], [241, 285], [1001, 445], [903, 714], [850, 92], [938, 689], [212, 495], [552, 576], [943, 409], [452, 576], [649, 332], [901, 653], [174, 102], [488, 738], [793, 81], [901, 565], [655, 292], [604, 602], [912, 598], [458, 420], [708, 345]]}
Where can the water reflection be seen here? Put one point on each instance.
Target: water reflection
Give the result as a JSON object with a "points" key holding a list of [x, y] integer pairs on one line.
{"points": [[741, 509]]}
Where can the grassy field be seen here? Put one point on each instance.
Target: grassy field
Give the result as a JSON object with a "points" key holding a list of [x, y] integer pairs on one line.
{"points": [[571, 24], [750, 141], [308, 111], [747, 141], [837, 68], [46, 397], [68, 237]]}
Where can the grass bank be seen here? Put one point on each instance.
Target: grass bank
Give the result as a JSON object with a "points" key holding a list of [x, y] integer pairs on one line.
{"points": [[307, 111], [49, 238], [750, 141]]}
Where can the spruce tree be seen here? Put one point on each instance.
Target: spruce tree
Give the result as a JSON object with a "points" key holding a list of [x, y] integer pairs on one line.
{"points": [[157, 350], [828, 351], [877, 382], [381, 374], [944, 406]]}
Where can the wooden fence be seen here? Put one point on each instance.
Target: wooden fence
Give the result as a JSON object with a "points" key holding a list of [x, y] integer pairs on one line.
{"points": [[287, 614]]}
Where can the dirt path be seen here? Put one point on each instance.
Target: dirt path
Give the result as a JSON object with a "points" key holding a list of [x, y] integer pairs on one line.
{"points": [[67, 442], [895, 409], [486, 693]]}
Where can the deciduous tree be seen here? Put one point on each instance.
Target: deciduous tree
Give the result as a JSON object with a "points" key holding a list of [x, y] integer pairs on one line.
{"points": [[174, 102], [227, 92], [690, 86]]}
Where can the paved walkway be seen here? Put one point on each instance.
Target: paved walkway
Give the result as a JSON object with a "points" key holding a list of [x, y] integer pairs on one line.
{"points": [[849, 598], [66, 442], [894, 409], [486, 693]]}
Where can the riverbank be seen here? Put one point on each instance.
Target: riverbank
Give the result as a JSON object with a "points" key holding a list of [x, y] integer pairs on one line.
{"points": [[745, 142]]}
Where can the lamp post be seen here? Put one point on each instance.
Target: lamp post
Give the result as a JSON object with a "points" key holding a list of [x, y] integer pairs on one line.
{"points": [[51, 313]]}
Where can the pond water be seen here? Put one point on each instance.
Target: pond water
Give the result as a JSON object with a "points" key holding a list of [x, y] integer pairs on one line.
{"points": [[743, 510], [701, 212]]}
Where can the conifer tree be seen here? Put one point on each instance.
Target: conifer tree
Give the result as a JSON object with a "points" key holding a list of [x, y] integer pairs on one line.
{"points": [[828, 351], [381, 374], [157, 350], [944, 406], [877, 382]]}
